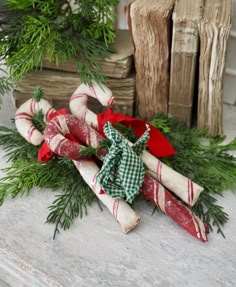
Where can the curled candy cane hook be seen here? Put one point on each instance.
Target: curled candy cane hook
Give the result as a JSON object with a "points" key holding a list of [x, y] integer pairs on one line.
{"points": [[24, 116], [78, 101]]}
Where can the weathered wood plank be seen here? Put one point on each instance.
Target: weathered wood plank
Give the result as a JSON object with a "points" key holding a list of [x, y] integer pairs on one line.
{"points": [[184, 52], [149, 23], [214, 32]]}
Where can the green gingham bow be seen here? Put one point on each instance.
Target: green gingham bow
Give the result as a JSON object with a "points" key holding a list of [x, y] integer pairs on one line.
{"points": [[122, 173]]}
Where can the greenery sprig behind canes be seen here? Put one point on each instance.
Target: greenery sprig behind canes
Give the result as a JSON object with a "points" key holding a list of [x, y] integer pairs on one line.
{"points": [[31, 30]]}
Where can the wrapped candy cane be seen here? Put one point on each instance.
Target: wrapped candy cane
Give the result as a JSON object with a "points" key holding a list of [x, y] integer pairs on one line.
{"points": [[156, 193], [54, 136], [183, 187], [24, 116]]}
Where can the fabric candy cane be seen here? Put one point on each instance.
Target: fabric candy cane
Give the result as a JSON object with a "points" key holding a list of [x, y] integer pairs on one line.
{"points": [[24, 116], [183, 187], [123, 213], [86, 135], [160, 196], [54, 136]]}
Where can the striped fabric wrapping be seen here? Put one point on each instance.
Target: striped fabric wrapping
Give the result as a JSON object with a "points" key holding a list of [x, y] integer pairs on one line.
{"points": [[183, 216], [24, 116], [123, 213], [183, 187]]}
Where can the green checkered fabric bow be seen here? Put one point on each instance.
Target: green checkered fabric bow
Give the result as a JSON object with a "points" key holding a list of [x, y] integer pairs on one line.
{"points": [[122, 173]]}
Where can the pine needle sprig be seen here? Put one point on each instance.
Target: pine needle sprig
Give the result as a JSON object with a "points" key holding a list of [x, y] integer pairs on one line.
{"points": [[23, 175], [5, 84], [126, 132], [70, 203], [26, 173], [16, 146], [38, 93], [38, 121], [211, 213]]}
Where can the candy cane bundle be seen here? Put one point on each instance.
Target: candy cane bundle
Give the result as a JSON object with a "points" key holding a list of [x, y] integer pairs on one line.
{"points": [[124, 214], [152, 188], [87, 136]]}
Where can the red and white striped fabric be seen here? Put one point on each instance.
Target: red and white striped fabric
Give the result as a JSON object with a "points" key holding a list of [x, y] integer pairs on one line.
{"points": [[24, 116], [78, 101], [61, 125], [183, 187], [123, 213], [183, 216]]}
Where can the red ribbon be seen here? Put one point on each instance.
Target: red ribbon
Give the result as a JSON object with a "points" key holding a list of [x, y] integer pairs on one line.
{"points": [[158, 145]]}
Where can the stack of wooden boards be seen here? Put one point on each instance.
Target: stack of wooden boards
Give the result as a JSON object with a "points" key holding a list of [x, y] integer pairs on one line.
{"points": [[59, 82], [180, 49]]}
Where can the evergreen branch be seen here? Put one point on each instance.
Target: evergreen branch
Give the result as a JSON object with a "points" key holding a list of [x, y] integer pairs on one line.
{"points": [[5, 86], [16, 147], [50, 29], [38, 93], [126, 132], [211, 213], [91, 151], [23, 175], [38, 121], [26, 173], [71, 203], [57, 174]]}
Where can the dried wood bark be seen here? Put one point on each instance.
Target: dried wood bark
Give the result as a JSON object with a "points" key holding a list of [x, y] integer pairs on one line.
{"points": [[149, 23], [184, 51], [214, 32]]}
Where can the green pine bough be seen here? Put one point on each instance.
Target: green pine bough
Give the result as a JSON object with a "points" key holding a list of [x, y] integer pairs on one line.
{"points": [[32, 30], [207, 162]]}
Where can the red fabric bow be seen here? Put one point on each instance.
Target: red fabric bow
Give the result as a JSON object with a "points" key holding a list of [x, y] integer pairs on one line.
{"points": [[158, 145]]}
